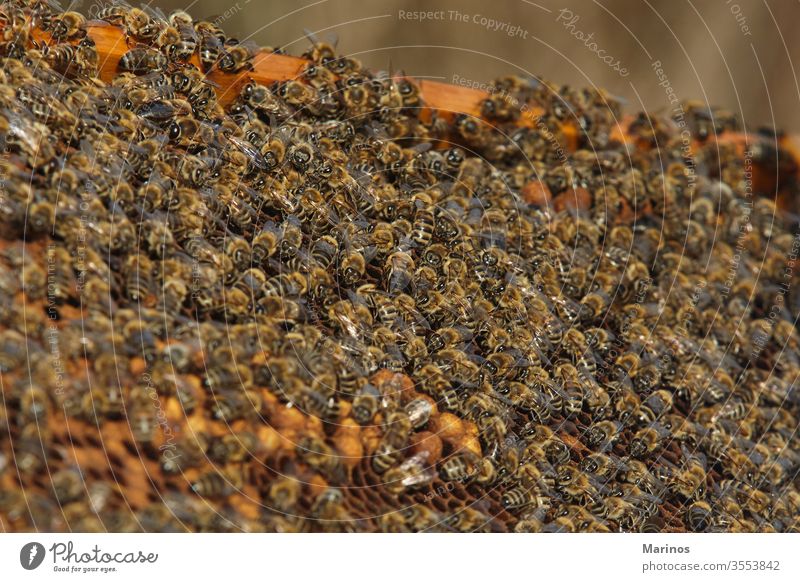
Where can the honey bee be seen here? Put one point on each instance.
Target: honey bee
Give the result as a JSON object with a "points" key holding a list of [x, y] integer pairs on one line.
{"points": [[232, 404], [142, 60], [233, 447], [329, 508], [690, 482], [143, 423], [698, 516], [398, 271], [410, 474], [284, 493], [603, 434], [237, 58], [601, 465], [419, 412], [459, 467], [264, 246], [68, 26], [366, 404], [214, 484], [319, 455], [655, 406], [647, 441], [352, 266], [113, 13], [319, 402], [34, 404], [139, 278], [186, 43], [468, 519], [140, 25]]}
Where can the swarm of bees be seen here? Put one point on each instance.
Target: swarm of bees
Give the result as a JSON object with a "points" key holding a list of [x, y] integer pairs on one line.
{"points": [[303, 312]]}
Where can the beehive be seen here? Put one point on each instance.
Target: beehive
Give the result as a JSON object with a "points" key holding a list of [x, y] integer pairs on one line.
{"points": [[351, 302]]}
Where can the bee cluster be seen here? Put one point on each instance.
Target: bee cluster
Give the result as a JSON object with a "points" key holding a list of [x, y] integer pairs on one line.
{"points": [[300, 313]]}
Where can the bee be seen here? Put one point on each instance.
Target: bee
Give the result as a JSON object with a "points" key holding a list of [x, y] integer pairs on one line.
{"points": [[366, 404], [320, 402], [142, 60], [655, 406], [352, 267], [186, 131], [237, 58], [647, 377], [690, 482], [143, 423], [398, 271], [233, 447], [139, 278], [264, 103], [34, 404], [627, 406], [698, 516], [410, 474], [140, 26], [461, 466], [646, 442], [264, 245], [603, 434], [99, 404], [113, 13], [68, 26], [627, 364], [320, 456], [324, 250], [284, 493], [79, 60], [601, 465], [210, 43], [329, 508], [231, 404], [468, 519], [214, 484], [419, 412], [573, 484], [291, 240], [186, 44]]}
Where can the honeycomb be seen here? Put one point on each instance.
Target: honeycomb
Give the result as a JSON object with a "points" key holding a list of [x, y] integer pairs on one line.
{"points": [[324, 305]]}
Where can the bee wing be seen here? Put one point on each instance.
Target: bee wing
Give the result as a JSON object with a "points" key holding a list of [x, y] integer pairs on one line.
{"points": [[419, 477], [155, 13], [331, 37], [251, 152], [416, 461], [21, 130], [421, 148]]}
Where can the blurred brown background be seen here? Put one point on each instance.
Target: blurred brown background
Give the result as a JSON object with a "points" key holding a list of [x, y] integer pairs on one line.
{"points": [[739, 54]]}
